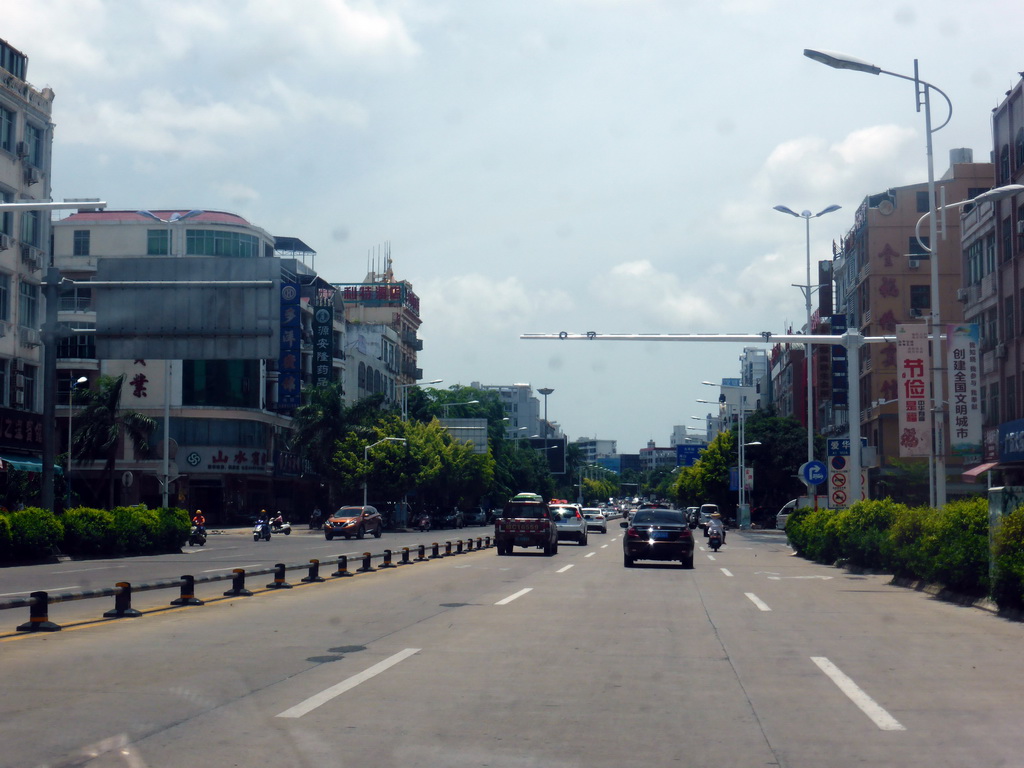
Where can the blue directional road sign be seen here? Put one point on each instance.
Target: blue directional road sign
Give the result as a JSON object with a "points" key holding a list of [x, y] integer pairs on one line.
{"points": [[813, 472]]}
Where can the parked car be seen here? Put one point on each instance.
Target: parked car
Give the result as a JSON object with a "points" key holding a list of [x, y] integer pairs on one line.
{"points": [[354, 521], [570, 523], [475, 516], [783, 516], [453, 518], [658, 534], [596, 520]]}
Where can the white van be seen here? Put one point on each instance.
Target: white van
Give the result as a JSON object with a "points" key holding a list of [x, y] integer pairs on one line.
{"points": [[784, 513]]}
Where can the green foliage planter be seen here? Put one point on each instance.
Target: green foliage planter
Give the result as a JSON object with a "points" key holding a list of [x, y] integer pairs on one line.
{"points": [[88, 532], [1008, 584], [34, 534]]}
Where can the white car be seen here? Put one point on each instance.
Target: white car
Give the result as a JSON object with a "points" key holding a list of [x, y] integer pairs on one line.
{"points": [[596, 520], [569, 522]]}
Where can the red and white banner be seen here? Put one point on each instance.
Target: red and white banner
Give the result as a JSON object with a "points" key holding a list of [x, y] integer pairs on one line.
{"points": [[913, 365]]}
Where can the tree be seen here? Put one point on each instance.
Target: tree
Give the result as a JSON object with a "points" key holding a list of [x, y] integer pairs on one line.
{"points": [[101, 425], [319, 423]]}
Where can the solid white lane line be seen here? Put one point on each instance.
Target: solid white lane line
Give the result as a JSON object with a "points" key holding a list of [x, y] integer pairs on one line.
{"points": [[590, 554], [726, 571], [711, 557], [761, 604], [510, 598], [565, 568], [327, 694], [867, 705], [604, 546]]}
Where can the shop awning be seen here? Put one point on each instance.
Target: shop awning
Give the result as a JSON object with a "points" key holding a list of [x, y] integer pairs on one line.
{"points": [[25, 464], [971, 475]]}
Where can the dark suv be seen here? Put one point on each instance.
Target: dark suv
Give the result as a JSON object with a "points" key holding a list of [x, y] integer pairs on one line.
{"points": [[526, 521]]}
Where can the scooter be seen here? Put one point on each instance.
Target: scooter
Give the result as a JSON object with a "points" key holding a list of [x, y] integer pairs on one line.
{"points": [[423, 522], [197, 536], [283, 527], [316, 520], [714, 538], [261, 530]]}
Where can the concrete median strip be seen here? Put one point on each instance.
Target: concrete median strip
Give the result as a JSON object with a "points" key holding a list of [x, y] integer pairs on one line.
{"points": [[334, 691]]}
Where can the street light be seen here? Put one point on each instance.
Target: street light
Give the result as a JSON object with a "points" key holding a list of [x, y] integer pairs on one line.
{"points": [[922, 91], [807, 289], [743, 511], [405, 394], [71, 391], [366, 452], [446, 406]]}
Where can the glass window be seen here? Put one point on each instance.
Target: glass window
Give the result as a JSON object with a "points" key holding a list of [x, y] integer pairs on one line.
{"points": [[81, 242], [914, 247], [214, 242], [922, 202], [1009, 325], [28, 305], [5, 296], [6, 129], [158, 242], [231, 383], [34, 139], [31, 228], [1011, 398], [29, 381], [920, 297]]}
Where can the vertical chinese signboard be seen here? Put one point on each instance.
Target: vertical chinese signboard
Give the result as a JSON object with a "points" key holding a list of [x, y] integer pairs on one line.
{"points": [[840, 368], [964, 402], [323, 345], [289, 372], [913, 363]]}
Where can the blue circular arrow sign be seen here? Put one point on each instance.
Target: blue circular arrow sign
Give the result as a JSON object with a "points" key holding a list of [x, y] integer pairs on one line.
{"points": [[813, 472]]}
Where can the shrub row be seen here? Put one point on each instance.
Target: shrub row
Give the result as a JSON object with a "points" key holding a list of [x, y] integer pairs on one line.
{"points": [[32, 533], [949, 546]]}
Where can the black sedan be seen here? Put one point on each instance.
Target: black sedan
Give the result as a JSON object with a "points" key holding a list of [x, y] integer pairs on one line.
{"points": [[657, 534]]}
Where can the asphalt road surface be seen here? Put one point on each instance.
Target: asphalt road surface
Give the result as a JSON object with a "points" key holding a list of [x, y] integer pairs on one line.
{"points": [[754, 658]]}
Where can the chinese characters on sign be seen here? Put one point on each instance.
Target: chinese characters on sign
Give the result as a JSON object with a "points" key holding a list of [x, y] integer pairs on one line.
{"points": [[323, 345], [913, 363], [964, 401], [289, 382]]}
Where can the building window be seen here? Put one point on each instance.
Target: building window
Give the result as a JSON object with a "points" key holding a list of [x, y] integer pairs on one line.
{"points": [[1019, 147], [1008, 323], [1004, 164], [362, 376], [922, 202], [31, 228], [6, 129], [5, 296], [34, 139], [1011, 398], [1006, 235], [81, 242], [76, 297], [158, 242], [213, 242], [7, 217], [80, 346], [28, 305], [920, 297], [993, 400], [225, 383], [918, 250]]}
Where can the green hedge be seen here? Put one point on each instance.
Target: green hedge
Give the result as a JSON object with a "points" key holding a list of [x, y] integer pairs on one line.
{"points": [[33, 534], [1008, 585], [947, 546]]}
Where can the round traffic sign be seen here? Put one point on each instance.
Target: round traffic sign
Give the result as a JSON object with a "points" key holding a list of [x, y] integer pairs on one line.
{"points": [[813, 472]]}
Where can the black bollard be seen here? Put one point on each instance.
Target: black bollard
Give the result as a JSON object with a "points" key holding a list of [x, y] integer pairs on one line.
{"points": [[342, 566], [188, 592], [436, 552], [458, 547], [366, 564], [421, 552], [387, 560], [314, 572], [238, 584], [447, 549], [38, 615], [405, 556], [122, 602], [279, 582]]}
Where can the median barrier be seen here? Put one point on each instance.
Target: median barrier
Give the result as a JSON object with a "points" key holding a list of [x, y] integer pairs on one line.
{"points": [[38, 602]]}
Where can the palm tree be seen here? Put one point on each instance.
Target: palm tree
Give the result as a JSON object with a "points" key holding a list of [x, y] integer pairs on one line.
{"points": [[101, 424], [319, 423]]}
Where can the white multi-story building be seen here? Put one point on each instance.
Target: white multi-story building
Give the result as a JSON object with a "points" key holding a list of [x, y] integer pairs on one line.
{"points": [[522, 408]]}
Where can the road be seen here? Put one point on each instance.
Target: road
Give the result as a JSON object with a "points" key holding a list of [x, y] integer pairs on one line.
{"points": [[755, 657]]}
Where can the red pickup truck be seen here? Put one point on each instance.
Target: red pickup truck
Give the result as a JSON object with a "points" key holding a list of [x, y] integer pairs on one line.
{"points": [[525, 521]]}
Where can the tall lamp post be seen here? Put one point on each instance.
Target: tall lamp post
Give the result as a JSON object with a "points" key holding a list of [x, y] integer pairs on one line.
{"points": [[545, 391], [366, 458], [922, 91], [71, 393], [446, 406], [405, 394], [808, 289]]}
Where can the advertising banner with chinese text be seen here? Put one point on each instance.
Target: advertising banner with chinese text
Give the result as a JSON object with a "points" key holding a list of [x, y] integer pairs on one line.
{"points": [[913, 366], [962, 356]]}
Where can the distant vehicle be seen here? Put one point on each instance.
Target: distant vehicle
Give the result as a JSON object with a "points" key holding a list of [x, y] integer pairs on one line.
{"points": [[596, 520], [354, 521], [453, 518], [794, 504], [657, 534], [705, 513], [570, 522], [475, 516]]}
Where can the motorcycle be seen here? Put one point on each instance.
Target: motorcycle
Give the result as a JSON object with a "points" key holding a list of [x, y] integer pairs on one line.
{"points": [[197, 536], [423, 522], [261, 530], [316, 520], [281, 527], [715, 539]]}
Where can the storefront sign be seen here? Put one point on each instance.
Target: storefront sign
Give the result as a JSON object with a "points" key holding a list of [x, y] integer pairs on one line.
{"points": [[913, 365]]}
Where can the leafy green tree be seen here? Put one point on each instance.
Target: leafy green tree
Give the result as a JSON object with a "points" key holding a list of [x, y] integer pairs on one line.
{"points": [[101, 426], [319, 423]]}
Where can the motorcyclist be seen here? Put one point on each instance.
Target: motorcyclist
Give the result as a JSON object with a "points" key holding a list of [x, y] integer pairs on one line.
{"points": [[316, 519], [277, 520], [199, 520], [716, 524]]}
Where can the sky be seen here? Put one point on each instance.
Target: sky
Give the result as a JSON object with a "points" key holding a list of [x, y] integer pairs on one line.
{"points": [[534, 166]]}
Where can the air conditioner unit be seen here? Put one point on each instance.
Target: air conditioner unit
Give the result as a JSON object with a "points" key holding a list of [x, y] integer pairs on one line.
{"points": [[31, 175], [916, 312], [19, 365], [19, 397], [19, 380], [961, 294], [22, 148], [1020, 227], [5, 241], [1001, 351], [914, 263]]}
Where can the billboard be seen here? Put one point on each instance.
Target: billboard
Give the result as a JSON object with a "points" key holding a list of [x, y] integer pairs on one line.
{"points": [[194, 308], [963, 354], [913, 365]]}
